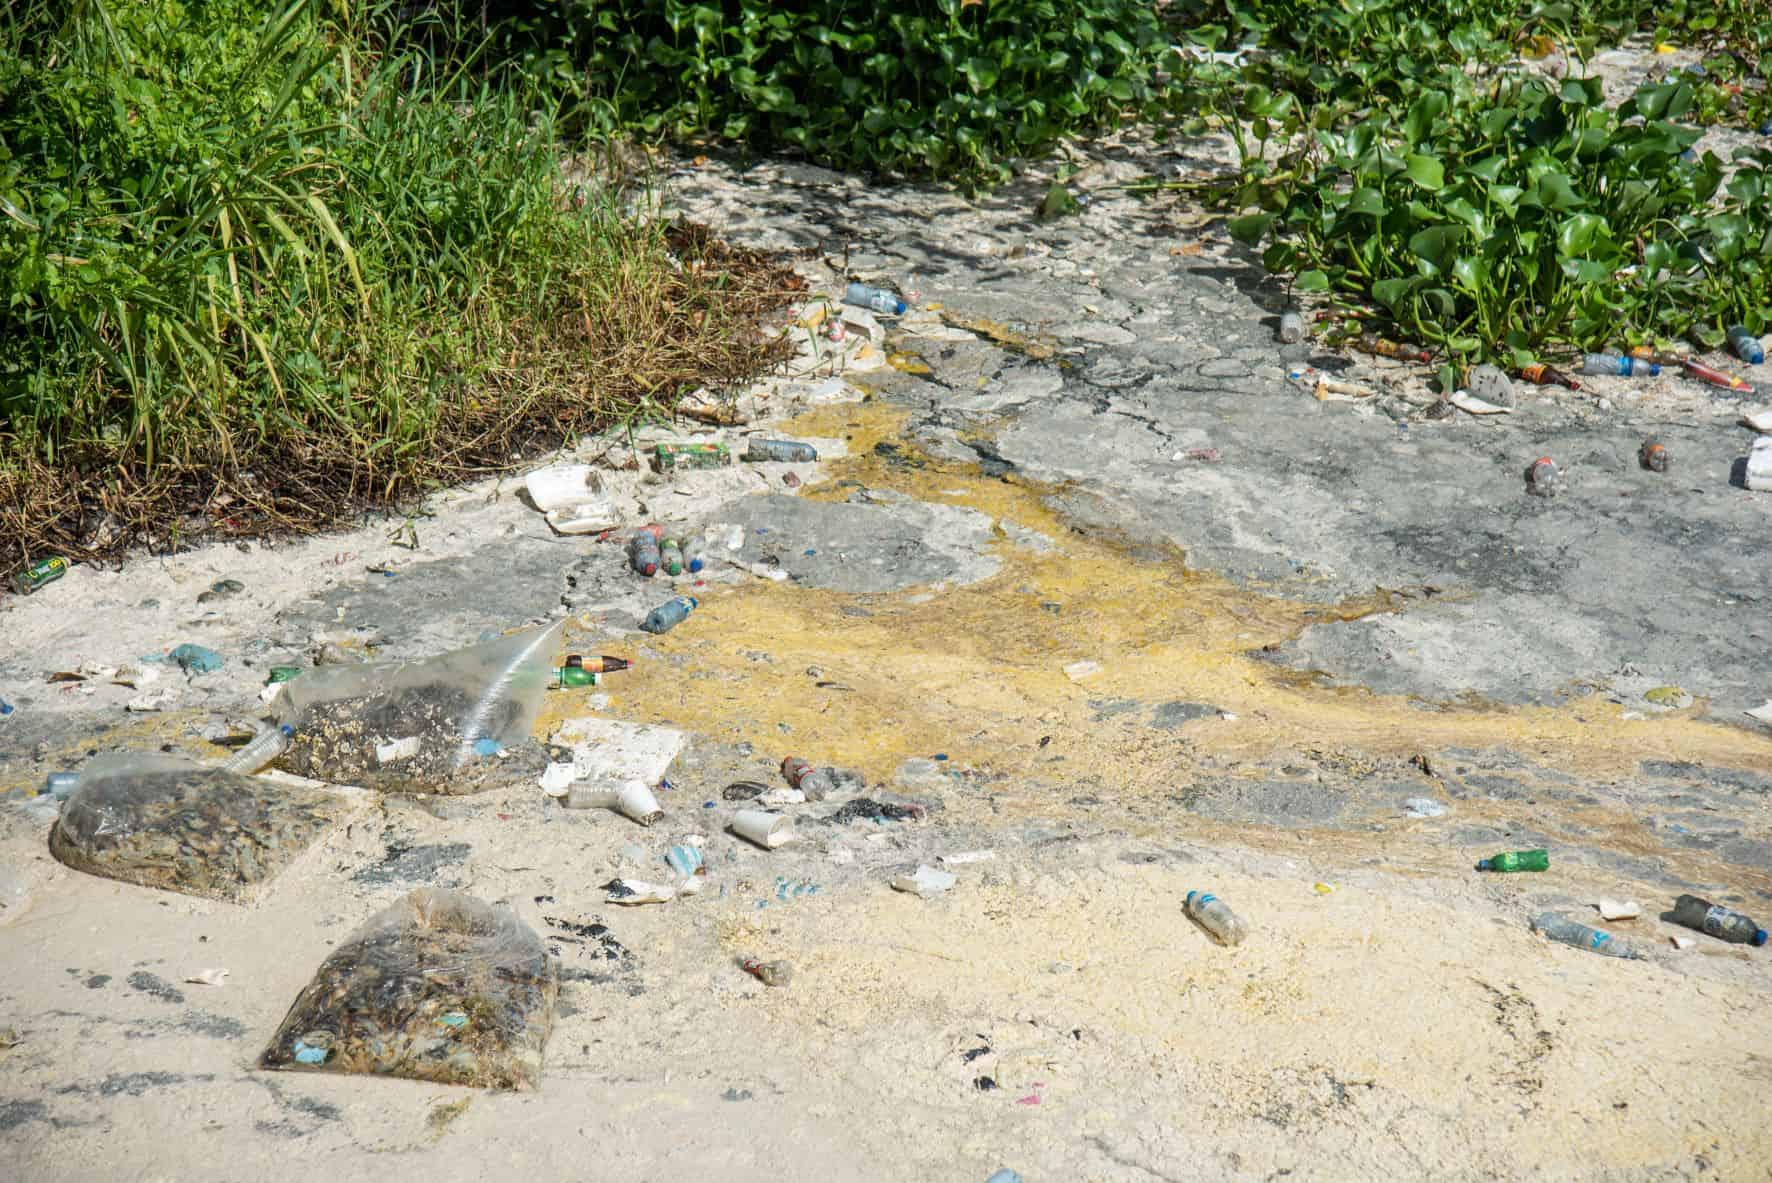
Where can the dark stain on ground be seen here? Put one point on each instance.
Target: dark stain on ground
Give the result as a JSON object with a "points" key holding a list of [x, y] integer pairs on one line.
{"points": [[132, 1084], [586, 935], [199, 1022], [17, 1113], [155, 987], [1725, 778], [413, 863], [98, 981], [1170, 715]]}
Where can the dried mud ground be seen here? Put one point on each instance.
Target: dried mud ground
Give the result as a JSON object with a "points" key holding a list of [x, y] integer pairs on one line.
{"points": [[1347, 609]]}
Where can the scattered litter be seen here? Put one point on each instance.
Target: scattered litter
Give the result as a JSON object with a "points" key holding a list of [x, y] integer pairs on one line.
{"points": [[1572, 932], [1543, 478], [1745, 345], [1423, 807], [209, 977], [1200, 455], [560, 485], [151, 700], [814, 784], [779, 451], [762, 570], [1763, 712], [1619, 909], [1216, 917], [1516, 860], [332, 653], [636, 891], [163, 822], [669, 457], [461, 707], [1682, 943], [1076, 671], [875, 299], [438, 987], [775, 798], [1653, 455], [136, 677], [1323, 888], [1758, 475], [1006, 1175], [264, 747], [60, 785], [744, 790], [1465, 401], [669, 614], [685, 858], [633, 799], [768, 830], [1664, 696], [6, 710], [960, 858], [1715, 920], [924, 882], [1760, 420], [612, 751], [1291, 326], [196, 659], [865, 808], [770, 973], [556, 778], [221, 589]]}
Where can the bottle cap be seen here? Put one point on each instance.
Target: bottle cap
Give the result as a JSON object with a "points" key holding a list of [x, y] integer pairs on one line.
{"points": [[1483, 864], [1759, 937]]}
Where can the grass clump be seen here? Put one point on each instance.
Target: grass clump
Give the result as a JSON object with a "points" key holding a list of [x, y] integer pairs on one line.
{"points": [[262, 270]]}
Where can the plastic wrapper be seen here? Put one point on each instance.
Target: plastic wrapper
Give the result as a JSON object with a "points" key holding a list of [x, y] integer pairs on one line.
{"points": [[438, 987], [165, 822], [456, 723]]}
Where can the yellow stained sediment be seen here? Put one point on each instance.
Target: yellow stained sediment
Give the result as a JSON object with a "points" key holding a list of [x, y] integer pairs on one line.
{"points": [[977, 672]]}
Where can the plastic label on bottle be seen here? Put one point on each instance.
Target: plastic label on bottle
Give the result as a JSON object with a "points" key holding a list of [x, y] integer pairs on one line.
{"points": [[1716, 919], [1599, 938]]}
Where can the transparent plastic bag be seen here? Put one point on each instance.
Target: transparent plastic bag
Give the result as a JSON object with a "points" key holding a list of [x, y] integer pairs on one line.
{"points": [[160, 821], [455, 723], [438, 987]]}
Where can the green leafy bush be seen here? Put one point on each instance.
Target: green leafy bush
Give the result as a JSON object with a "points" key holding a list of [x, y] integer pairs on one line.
{"points": [[947, 88]]}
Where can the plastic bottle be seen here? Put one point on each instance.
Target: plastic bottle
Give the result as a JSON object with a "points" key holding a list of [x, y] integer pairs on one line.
{"points": [[816, 783], [1517, 860], [670, 557], [780, 451], [1704, 373], [61, 785], [1216, 917], [1291, 326], [569, 675], [1723, 923], [770, 973], [1745, 345], [39, 574], [266, 746], [1544, 478], [695, 551], [1624, 367], [644, 554], [1542, 375], [669, 457], [1572, 932], [875, 299], [1652, 455], [1382, 347], [669, 614], [1647, 353]]}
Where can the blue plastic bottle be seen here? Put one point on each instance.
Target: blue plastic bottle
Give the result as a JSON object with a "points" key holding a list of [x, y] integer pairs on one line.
{"points": [[876, 299], [1745, 345], [669, 614], [1572, 932]]}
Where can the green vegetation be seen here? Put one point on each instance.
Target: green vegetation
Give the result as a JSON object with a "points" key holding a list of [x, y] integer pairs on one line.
{"points": [[1402, 152], [262, 268]]}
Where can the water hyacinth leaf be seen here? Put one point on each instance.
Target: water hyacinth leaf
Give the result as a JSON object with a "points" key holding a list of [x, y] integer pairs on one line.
{"points": [[1251, 228], [1436, 244], [1579, 233], [1367, 200], [1311, 281], [1426, 171]]}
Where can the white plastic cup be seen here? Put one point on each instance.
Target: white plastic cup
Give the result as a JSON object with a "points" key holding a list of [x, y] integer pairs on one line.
{"points": [[593, 515], [768, 830], [561, 485], [634, 799]]}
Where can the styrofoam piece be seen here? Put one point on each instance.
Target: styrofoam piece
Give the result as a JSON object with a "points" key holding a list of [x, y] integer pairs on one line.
{"points": [[768, 830], [1619, 909], [611, 751], [1759, 464], [1760, 419], [556, 778], [1423, 807], [561, 485], [398, 750], [924, 882], [1465, 401], [1763, 712], [775, 798], [638, 891], [968, 856]]}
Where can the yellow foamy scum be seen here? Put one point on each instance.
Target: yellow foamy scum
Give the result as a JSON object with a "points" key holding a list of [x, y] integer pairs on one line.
{"points": [[978, 672]]}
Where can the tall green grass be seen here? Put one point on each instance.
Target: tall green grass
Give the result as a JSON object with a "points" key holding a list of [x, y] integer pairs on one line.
{"points": [[259, 252]]}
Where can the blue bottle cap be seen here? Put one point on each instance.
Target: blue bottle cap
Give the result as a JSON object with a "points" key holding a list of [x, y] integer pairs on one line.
{"points": [[1759, 937]]}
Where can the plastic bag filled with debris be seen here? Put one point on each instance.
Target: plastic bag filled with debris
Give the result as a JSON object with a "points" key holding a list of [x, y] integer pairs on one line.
{"points": [[456, 723], [165, 822], [438, 987]]}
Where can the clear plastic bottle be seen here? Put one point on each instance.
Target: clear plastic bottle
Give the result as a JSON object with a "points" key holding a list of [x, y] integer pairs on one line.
{"points": [[1216, 917], [1745, 345], [816, 783], [644, 554], [1291, 326], [875, 299], [264, 747], [670, 557], [781, 451], [1574, 933], [695, 549], [669, 614], [1544, 478], [1723, 923], [1623, 367]]}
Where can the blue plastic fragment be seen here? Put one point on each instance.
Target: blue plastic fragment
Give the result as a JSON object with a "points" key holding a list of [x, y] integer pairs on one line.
{"points": [[6, 708], [1004, 1176], [195, 659], [941, 755], [454, 1018], [305, 1054], [810, 552], [486, 747], [707, 804]]}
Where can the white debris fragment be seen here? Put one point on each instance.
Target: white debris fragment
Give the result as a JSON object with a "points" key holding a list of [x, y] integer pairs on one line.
{"points": [[968, 856], [1619, 909], [556, 777], [1076, 671], [209, 977], [398, 750], [1423, 807], [925, 882]]}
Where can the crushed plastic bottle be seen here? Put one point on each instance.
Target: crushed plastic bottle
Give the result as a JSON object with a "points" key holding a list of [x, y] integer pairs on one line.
{"points": [[670, 557], [1383, 347], [1572, 932], [60, 785], [1216, 917], [1544, 478], [1745, 345], [770, 973], [1652, 455], [1723, 923], [644, 554], [1516, 860], [669, 614], [695, 549], [1623, 367], [1291, 326], [264, 747], [38, 575], [816, 783], [780, 451]]}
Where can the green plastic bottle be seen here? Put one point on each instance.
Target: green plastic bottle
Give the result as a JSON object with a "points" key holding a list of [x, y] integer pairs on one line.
{"points": [[574, 675], [1517, 860]]}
